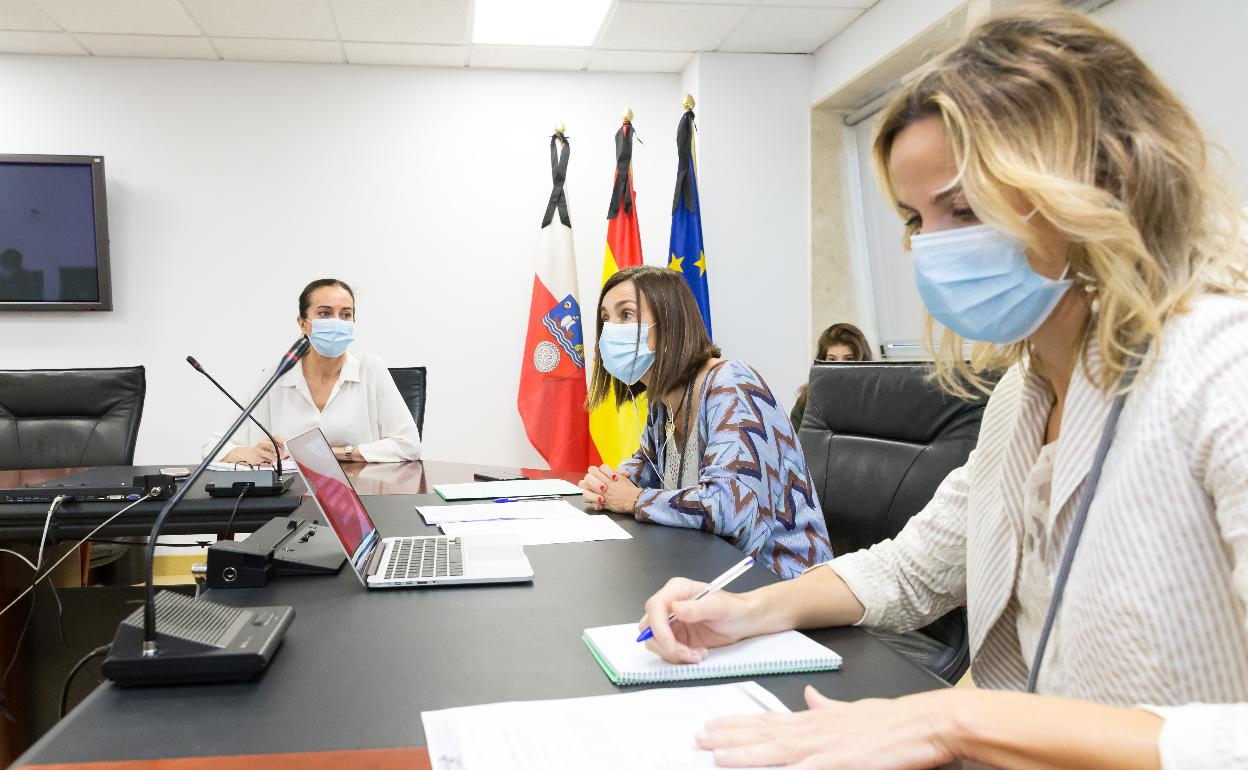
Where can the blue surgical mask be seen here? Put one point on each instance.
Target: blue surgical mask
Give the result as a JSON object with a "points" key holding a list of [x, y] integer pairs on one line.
{"points": [[976, 282], [331, 336], [623, 355]]}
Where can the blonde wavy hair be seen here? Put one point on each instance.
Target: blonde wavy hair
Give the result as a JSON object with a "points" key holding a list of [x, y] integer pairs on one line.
{"points": [[1045, 103]]}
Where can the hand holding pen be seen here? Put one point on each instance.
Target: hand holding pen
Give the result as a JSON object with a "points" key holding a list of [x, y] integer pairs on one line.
{"points": [[685, 618]]}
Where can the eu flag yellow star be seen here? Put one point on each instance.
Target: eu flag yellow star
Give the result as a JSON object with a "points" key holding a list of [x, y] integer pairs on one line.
{"points": [[701, 263], [677, 263]]}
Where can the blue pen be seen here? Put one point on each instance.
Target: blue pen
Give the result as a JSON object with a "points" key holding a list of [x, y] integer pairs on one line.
{"points": [[732, 574], [524, 499]]}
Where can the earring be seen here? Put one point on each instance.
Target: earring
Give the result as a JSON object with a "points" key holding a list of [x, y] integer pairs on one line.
{"points": [[1089, 286]]}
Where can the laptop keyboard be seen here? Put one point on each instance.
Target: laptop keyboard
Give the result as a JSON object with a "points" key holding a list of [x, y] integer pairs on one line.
{"points": [[422, 558]]}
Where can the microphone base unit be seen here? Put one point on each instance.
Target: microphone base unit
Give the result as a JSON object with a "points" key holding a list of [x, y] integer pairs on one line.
{"points": [[257, 484], [283, 546], [197, 641]]}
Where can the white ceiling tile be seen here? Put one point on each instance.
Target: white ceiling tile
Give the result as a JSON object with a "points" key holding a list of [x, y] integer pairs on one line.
{"points": [[135, 17], [517, 57], [788, 30], [287, 19], [40, 42], [639, 61], [670, 27], [860, 4], [403, 21], [148, 46], [308, 51], [22, 14], [407, 54]]}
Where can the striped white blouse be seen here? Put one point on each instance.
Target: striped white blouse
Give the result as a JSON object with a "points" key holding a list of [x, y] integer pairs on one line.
{"points": [[1156, 609]]}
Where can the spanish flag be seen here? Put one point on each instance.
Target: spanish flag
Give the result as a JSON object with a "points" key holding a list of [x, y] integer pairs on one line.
{"points": [[552, 374], [617, 431]]}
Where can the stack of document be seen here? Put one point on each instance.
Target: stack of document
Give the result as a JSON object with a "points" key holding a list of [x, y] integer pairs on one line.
{"points": [[648, 729], [288, 467], [488, 490], [532, 522]]}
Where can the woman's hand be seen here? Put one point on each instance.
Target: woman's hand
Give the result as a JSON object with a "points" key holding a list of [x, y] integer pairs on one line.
{"points": [[715, 620], [903, 734], [258, 455], [606, 488]]}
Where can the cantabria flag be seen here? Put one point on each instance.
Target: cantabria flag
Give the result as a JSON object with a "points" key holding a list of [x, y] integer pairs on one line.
{"points": [[552, 375]]}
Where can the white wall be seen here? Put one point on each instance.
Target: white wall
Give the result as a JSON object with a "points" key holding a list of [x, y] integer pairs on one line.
{"points": [[754, 175], [1198, 50], [231, 185]]}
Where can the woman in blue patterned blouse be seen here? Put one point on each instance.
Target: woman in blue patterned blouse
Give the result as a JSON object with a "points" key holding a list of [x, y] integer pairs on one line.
{"points": [[718, 452]]}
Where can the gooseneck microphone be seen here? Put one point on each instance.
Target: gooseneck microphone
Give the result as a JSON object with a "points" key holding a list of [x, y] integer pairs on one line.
{"points": [[197, 660], [277, 452]]}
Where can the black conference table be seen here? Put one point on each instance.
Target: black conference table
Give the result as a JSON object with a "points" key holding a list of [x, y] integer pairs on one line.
{"points": [[357, 667]]}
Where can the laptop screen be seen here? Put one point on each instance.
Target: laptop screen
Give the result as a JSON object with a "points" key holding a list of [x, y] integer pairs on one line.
{"points": [[337, 498]]}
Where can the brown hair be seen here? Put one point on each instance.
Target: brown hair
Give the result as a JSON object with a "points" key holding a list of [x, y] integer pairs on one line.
{"points": [[681, 345], [844, 334], [837, 334], [1045, 104], [305, 296]]}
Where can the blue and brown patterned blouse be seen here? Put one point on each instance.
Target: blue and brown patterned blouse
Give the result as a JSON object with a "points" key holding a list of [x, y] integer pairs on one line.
{"points": [[753, 487]]}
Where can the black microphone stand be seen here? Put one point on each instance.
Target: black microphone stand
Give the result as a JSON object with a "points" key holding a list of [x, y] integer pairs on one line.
{"points": [[150, 647], [277, 452]]}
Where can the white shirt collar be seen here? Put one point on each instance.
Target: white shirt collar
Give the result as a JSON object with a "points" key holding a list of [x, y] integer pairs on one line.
{"points": [[350, 373]]}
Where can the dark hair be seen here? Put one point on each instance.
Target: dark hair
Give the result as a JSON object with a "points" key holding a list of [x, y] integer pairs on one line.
{"points": [[844, 334], [837, 334], [681, 346], [11, 257], [305, 296]]}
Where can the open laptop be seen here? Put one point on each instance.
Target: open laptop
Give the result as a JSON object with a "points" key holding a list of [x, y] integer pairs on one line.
{"points": [[396, 562]]}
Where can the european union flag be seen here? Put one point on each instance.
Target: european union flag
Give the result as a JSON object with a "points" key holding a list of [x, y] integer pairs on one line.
{"points": [[688, 254]]}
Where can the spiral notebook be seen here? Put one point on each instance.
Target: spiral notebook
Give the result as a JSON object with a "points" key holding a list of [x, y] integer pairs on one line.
{"points": [[626, 661]]}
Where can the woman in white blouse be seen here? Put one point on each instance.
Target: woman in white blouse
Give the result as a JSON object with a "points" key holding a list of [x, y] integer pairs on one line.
{"points": [[352, 399], [1063, 215]]}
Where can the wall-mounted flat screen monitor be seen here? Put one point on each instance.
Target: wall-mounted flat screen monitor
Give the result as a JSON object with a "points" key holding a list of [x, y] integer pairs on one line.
{"points": [[53, 233]]}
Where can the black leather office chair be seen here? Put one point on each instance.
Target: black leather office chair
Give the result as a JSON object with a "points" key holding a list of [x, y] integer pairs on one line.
{"points": [[65, 418], [411, 383], [879, 439]]}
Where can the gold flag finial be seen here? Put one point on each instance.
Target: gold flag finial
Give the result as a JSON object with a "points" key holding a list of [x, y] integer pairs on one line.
{"points": [[688, 103], [628, 114], [560, 130]]}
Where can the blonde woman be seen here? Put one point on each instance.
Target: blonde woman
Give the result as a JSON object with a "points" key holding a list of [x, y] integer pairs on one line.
{"points": [[1063, 215]]}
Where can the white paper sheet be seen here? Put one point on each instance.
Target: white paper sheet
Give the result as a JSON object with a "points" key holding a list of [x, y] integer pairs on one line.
{"points": [[648, 730], [484, 490], [288, 467], [544, 531], [525, 509]]}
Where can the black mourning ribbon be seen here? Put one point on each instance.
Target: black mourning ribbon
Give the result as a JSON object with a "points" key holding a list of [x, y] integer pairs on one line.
{"points": [[559, 173], [623, 161], [684, 175]]}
